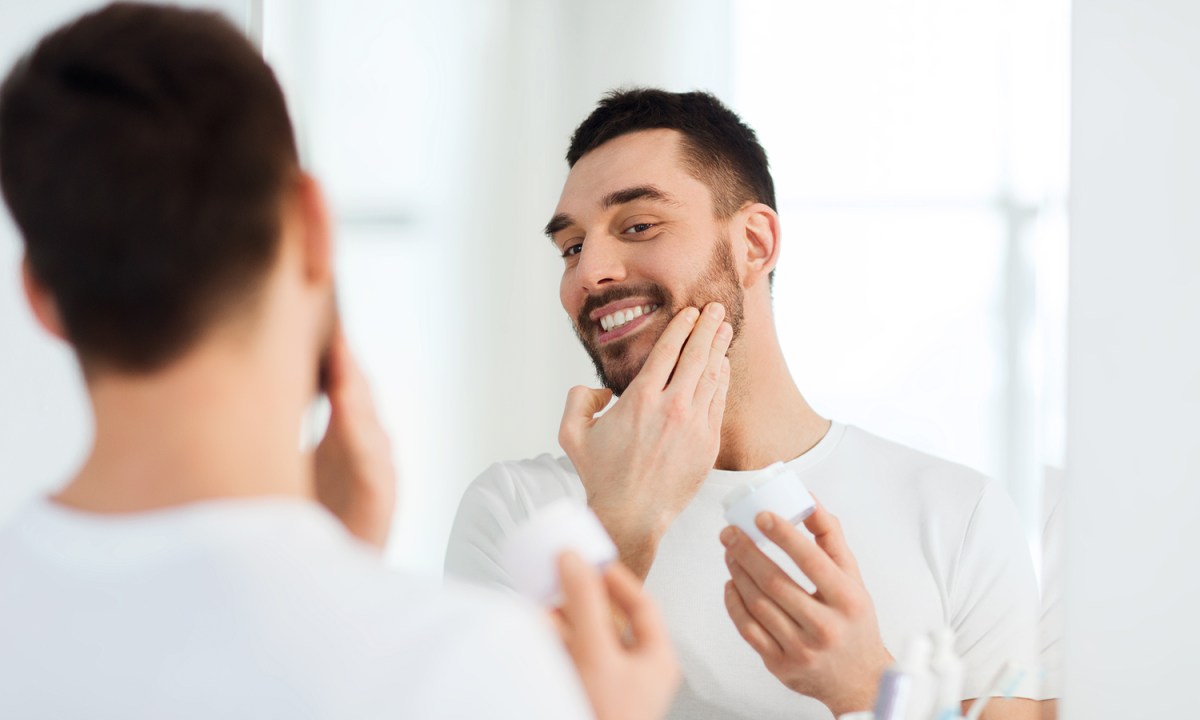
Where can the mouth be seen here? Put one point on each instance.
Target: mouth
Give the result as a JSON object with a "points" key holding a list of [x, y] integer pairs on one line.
{"points": [[617, 323]]}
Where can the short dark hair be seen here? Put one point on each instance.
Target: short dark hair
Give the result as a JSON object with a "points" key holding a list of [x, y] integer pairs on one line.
{"points": [[720, 150], [144, 153]]}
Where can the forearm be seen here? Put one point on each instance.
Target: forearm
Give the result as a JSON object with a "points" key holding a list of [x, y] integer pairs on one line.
{"points": [[633, 521]]}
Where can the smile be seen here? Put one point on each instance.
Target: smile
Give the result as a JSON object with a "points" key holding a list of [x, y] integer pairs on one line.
{"points": [[622, 322]]}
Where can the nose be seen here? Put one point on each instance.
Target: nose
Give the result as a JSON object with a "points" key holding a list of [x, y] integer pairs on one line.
{"points": [[600, 263]]}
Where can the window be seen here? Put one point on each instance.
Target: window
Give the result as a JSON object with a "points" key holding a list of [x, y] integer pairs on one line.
{"points": [[920, 154]]}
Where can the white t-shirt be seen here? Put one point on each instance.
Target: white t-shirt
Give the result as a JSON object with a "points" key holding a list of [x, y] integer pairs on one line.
{"points": [[938, 545], [260, 609]]}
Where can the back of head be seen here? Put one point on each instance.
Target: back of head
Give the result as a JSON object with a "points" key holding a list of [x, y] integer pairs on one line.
{"points": [[719, 149], [144, 154]]}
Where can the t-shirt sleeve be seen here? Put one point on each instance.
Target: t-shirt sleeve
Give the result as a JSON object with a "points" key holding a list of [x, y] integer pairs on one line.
{"points": [[995, 599], [485, 516]]}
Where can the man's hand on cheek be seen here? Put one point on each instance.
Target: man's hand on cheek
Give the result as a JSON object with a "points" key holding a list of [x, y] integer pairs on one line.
{"points": [[643, 460], [824, 644], [354, 476]]}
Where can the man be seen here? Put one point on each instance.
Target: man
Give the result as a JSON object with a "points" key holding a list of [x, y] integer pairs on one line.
{"points": [[187, 570], [669, 205]]}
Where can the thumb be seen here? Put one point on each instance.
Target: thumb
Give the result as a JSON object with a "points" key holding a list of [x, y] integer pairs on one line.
{"points": [[345, 384], [582, 405], [337, 364]]}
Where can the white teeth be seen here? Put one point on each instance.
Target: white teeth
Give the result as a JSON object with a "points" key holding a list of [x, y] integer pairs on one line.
{"points": [[621, 317]]}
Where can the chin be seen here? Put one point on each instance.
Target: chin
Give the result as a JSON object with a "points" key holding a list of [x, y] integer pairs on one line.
{"points": [[619, 374]]}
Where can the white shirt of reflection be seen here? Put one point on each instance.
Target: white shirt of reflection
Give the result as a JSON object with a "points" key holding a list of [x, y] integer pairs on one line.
{"points": [[938, 545]]}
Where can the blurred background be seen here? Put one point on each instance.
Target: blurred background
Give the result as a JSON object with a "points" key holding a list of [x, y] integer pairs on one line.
{"points": [[919, 149]]}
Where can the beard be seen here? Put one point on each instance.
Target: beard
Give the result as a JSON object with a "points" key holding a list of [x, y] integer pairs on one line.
{"points": [[618, 362]]}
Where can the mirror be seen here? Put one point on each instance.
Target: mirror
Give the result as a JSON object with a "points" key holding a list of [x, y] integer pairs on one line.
{"points": [[919, 154]]}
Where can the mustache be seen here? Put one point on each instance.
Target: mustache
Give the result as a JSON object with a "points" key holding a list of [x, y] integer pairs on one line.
{"points": [[655, 293]]}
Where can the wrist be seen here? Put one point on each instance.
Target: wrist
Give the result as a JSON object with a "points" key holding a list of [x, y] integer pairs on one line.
{"points": [[861, 697], [637, 532], [637, 543]]}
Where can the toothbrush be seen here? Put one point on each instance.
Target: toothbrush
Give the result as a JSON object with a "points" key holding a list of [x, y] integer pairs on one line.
{"points": [[1005, 682]]}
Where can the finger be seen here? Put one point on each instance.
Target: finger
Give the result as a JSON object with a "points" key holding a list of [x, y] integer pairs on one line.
{"points": [[560, 623], [665, 353], [710, 378], [585, 605], [748, 627], [582, 405], [827, 532], [786, 630], [351, 406], [716, 407], [337, 364], [694, 357], [773, 582], [330, 364], [630, 597], [831, 579]]}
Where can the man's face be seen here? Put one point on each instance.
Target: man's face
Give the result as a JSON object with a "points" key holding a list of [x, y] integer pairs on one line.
{"points": [[640, 242]]}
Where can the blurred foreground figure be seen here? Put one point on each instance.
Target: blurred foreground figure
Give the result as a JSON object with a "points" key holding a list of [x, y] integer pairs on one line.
{"points": [[200, 564]]}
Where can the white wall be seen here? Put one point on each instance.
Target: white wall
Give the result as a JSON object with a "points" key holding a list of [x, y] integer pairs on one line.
{"points": [[920, 162], [1133, 454]]}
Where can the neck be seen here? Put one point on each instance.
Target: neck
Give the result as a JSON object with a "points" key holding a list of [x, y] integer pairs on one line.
{"points": [[219, 423], [767, 419]]}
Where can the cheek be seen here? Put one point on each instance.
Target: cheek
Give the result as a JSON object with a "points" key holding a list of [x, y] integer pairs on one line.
{"points": [[672, 263], [569, 296]]}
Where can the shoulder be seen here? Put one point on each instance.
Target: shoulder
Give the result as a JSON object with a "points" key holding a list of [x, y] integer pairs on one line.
{"points": [[520, 486], [500, 499], [499, 617], [344, 592], [504, 648], [949, 504], [891, 465], [453, 612], [390, 629]]}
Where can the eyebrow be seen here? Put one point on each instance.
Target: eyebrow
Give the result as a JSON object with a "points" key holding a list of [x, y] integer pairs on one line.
{"points": [[558, 223], [561, 221], [639, 192]]}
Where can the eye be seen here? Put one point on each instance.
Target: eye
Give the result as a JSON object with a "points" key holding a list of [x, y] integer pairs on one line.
{"points": [[637, 228], [572, 250]]}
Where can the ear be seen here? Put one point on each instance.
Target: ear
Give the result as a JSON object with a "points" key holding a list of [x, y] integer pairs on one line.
{"points": [[761, 243], [42, 302], [316, 230]]}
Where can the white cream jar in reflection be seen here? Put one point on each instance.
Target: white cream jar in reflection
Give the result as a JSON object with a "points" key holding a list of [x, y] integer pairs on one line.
{"points": [[775, 488]]}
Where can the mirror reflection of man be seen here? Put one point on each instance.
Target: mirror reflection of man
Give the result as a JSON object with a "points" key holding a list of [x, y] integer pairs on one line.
{"points": [[199, 564], [669, 208]]}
